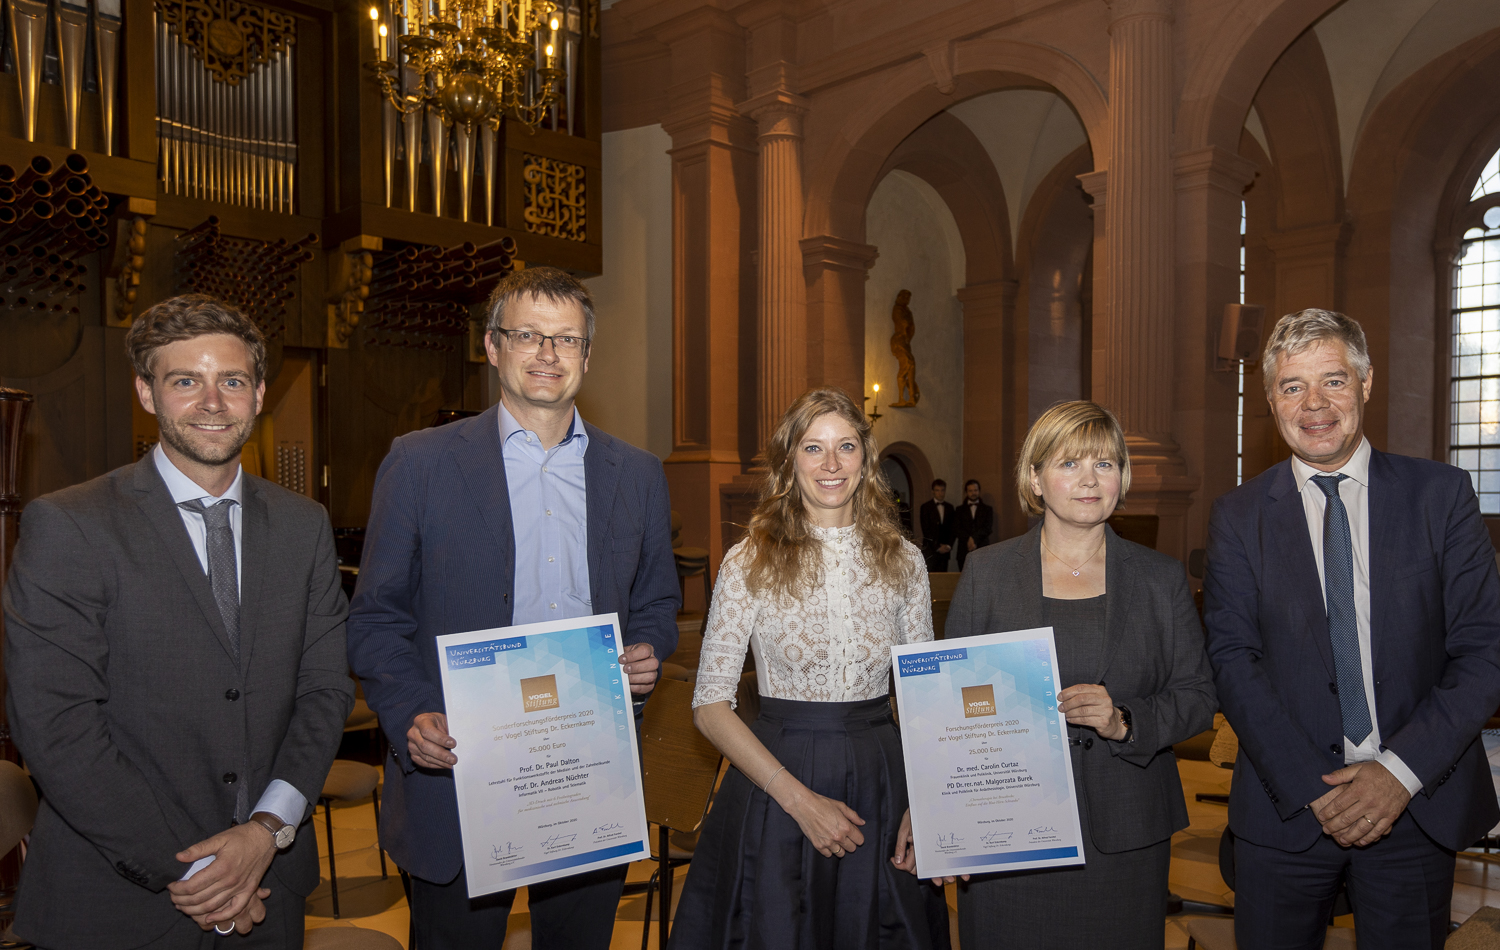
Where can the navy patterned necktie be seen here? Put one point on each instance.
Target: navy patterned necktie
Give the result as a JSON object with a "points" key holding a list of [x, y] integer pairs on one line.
{"points": [[222, 576], [1343, 626]]}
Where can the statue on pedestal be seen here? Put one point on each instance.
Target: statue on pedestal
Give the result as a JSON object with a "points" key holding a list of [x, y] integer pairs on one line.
{"points": [[908, 393]]}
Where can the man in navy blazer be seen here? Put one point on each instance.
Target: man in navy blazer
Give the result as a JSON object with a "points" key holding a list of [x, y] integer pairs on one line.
{"points": [[521, 514], [1353, 614]]}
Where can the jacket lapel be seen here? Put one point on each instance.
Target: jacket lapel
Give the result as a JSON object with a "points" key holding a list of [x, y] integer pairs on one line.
{"points": [[1025, 611], [1119, 591], [1291, 555], [155, 503], [1386, 545], [601, 477], [256, 553], [481, 463]]}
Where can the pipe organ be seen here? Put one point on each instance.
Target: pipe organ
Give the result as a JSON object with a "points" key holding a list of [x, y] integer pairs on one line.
{"points": [[357, 192]]}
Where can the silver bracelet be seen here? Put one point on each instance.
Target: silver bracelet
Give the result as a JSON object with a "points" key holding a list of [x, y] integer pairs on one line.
{"points": [[767, 787]]}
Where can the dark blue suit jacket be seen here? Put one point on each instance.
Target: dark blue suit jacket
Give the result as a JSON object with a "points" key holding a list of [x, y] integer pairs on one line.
{"points": [[439, 558], [1435, 639]]}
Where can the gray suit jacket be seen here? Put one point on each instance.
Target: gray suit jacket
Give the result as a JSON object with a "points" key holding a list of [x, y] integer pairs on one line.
{"points": [[133, 714], [1153, 665]]}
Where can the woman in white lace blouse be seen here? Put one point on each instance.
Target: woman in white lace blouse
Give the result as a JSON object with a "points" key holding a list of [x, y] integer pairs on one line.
{"points": [[799, 845]]}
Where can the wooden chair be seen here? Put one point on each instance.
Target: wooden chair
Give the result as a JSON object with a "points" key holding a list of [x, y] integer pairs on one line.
{"points": [[679, 770], [348, 781]]}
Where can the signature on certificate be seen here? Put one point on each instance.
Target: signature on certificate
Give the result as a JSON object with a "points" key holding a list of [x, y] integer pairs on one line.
{"points": [[996, 837], [499, 852], [612, 826], [557, 841], [949, 840], [1043, 830]]}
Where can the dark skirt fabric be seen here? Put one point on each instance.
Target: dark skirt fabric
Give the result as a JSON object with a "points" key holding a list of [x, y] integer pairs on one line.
{"points": [[1117, 901], [757, 883]]}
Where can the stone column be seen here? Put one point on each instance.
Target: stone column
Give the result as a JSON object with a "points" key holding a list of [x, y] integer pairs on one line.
{"points": [[782, 308], [836, 270], [995, 404], [1137, 382]]}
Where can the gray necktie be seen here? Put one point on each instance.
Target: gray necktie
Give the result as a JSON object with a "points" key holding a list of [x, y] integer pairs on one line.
{"points": [[1343, 626], [222, 576]]}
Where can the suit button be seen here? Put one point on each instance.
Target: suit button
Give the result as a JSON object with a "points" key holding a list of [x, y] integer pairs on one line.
{"points": [[1333, 688], [229, 778], [1336, 749], [1088, 743], [231, 694]]}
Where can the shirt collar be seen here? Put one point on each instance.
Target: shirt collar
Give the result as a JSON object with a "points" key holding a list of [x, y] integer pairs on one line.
{"points": [[184, 489], [509, 427], [1357, 468]]}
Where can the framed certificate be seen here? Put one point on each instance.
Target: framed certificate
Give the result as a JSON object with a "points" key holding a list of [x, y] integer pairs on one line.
{"points": [[987, 762], [547, 777]]}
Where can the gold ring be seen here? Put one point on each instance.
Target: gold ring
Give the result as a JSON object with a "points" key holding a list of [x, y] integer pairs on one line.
{"points": [[1367, 818]]}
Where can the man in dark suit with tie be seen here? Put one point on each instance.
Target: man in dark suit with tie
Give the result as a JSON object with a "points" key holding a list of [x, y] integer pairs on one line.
{"points": [[1353, 614], [937, 528], [973, 523], [521, 514], [178, 729]]}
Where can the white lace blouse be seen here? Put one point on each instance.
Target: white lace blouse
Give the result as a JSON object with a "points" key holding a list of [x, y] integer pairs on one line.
{"points": [[829, 644]]}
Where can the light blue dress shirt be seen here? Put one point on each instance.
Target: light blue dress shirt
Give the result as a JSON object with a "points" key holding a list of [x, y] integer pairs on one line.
{"points": [[280, 798], [549, 512]]}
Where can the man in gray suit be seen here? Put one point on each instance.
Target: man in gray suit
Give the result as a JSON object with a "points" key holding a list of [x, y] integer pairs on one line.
{"points": [[177, 729]]}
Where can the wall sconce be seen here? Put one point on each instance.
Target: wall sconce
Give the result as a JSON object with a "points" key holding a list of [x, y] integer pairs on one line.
{"points": [[874, 414]]}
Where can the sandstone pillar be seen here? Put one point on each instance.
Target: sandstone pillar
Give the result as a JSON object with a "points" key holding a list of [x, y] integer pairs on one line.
{"points": [[995, 392], [835, 270], [781, 339]]}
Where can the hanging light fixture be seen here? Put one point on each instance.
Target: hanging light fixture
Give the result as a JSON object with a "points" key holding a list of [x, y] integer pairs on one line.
{"points": [[467, 64]]}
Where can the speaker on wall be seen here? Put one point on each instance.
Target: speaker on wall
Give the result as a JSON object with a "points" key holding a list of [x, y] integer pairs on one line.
{"points": [[1239, 332]]}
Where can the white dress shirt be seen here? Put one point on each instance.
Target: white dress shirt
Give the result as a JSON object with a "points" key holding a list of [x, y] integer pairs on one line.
{"points": [[1355, 492], [280, 798]]}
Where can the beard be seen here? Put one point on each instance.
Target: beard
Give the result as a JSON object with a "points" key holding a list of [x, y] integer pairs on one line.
{"points": [[180, 435]]}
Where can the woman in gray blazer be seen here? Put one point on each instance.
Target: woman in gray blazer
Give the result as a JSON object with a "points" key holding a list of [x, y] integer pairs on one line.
{"points": [[1131, 656]]}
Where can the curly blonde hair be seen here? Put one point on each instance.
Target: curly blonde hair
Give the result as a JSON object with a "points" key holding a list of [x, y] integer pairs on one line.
{"points": [[782, 553]]}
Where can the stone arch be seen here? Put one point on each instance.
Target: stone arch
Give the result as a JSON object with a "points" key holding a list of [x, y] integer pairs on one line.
{"points": [[847, 174], [918, 469], [1227, 71], [1417, 144]]}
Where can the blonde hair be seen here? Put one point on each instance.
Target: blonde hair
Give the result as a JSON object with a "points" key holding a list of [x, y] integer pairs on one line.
{"points": [[782, 553], [1296, 332], [1070, 430]]}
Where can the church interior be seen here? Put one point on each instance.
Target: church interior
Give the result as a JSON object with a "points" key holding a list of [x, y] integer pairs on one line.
{"points": [[961, 211]]}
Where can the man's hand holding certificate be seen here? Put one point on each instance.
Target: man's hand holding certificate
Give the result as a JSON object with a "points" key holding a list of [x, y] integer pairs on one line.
{"points": [[547, 778], [987, 761]]}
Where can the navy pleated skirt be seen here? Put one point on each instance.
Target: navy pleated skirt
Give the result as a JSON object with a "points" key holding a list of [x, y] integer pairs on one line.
{"points": [[757, 883]]}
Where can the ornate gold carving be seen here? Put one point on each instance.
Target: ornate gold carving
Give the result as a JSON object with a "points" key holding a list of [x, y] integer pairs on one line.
{"points": [[343, 316], [230, 38], [554, 197], [130, 272]]}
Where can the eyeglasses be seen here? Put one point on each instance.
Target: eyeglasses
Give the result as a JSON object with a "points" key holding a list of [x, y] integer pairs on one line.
{"points": [[529, 342]]}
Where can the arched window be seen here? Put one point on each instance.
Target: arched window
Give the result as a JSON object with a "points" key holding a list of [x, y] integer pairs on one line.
{"points": [[1474, 424]]}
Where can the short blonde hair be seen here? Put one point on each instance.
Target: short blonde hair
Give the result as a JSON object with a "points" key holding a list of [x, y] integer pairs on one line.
{"points": [[1070, 430]]}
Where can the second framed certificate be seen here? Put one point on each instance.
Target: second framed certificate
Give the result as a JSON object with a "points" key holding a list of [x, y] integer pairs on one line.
{"points": [[987, 762], [547, 776]]}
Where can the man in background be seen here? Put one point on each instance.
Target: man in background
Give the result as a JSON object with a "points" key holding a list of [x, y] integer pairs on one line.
{"points": [[973, 523], [937, 528], [175, 657]]}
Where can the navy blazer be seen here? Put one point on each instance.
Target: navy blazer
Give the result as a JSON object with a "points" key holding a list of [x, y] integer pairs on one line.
{"points": [[1435, 640], [439, 558]]}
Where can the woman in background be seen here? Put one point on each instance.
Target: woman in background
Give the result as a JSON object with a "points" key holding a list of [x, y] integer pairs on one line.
{"points": [[1130, 644], [797, 852]]}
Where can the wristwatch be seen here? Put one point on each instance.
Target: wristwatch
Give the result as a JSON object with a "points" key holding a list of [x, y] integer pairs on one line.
{"points": [[1129, 726], [281, 832]]}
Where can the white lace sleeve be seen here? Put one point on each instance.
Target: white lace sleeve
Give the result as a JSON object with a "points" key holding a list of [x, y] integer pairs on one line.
{"points": [[726, 633], [914, 617]]}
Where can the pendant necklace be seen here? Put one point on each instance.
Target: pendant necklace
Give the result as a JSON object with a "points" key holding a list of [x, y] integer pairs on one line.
{"points": [[1076, 570]]}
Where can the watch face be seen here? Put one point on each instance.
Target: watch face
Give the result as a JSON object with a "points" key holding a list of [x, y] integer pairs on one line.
{"points": [[286, 836]]}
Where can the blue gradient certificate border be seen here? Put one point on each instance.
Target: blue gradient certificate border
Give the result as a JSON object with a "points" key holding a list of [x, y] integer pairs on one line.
{"points": [[987, 762], [548, 780]]}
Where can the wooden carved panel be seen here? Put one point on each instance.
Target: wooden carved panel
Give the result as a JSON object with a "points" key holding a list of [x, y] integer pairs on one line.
{"points": [[554, 197], [230, 38]]}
